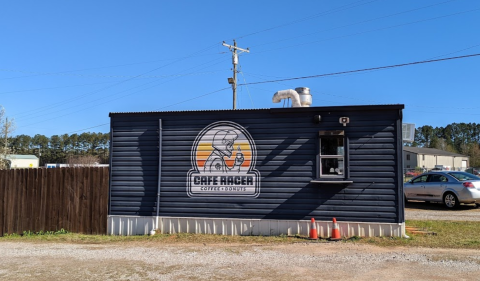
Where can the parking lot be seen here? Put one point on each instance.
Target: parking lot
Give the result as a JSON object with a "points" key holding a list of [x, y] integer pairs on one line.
{"points": [[419, 210]]}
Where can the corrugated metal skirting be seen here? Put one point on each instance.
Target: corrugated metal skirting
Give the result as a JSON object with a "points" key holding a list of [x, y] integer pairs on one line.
{"points": [[142, 225]]}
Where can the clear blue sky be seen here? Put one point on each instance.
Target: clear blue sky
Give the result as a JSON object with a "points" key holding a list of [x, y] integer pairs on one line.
{"points": [[64, 65]]}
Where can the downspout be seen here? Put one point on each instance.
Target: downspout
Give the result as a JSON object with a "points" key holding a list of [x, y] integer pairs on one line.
{"points": [[154, 230], [400, 166], [110, 170]]}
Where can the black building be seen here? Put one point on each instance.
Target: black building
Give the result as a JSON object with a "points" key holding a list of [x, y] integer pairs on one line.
{"points": [[260, 172]]}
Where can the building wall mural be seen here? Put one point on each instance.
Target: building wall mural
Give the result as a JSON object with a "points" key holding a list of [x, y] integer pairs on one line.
{"points": [[223, 160]]}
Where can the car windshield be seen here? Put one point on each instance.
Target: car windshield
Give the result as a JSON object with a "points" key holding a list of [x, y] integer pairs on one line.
{"points": [[462, 176]]}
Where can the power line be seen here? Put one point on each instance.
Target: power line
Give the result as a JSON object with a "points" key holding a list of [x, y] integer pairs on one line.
{"points": [[197, 97], [260, 75], [108, 76], [368, 31], [102, 102], [443, 112], [248, 90], [51, 88], [359, 73], [332, 11], [313, 76], [143, 76], [361, 70], [30, 113], [363, 100], [90, 84], [104, 124], [184, 101], [371, 101], [92, 68], [345, 7], [451, 53], [94, 92], [356, 23]]}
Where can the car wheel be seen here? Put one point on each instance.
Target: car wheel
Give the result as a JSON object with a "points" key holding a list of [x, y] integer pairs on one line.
{"points": [[405, 198], [450, 200]]}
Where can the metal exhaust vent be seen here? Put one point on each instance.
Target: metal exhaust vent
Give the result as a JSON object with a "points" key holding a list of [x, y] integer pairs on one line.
{"points": [[300, 97]]}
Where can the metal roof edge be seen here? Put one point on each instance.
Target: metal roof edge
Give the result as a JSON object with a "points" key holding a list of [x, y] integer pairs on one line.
{"points": [[20, 156], [179, 111], [282, 109], [341, 108], [431, 151]]}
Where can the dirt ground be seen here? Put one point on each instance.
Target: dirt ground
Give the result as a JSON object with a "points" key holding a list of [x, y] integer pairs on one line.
{"points": [[303, 261]]}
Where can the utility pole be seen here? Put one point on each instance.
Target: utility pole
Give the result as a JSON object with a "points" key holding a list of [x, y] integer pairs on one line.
{"points": [[233, 80]]}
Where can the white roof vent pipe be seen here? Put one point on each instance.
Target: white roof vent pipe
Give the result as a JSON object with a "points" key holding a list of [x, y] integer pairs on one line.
{"points": [[300, 97]]}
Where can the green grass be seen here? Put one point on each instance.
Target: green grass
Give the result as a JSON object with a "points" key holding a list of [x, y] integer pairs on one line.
{"points": [[158, 238], [449, 234]]}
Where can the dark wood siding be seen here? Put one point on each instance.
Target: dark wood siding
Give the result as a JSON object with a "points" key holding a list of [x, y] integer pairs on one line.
{"points": [[286, 141]]}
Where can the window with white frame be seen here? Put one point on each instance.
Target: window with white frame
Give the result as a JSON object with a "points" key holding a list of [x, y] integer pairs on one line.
{"points": [[332, 154]]}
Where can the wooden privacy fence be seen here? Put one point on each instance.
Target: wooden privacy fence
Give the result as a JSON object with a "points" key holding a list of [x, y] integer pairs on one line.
{"points": [[75, 199]]}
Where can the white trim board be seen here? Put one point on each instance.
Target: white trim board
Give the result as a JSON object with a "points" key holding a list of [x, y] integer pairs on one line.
{"points": [[141, 225]]}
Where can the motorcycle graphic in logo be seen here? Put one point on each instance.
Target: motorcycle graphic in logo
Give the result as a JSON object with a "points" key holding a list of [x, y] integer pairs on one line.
{"points": [[223, 162]]}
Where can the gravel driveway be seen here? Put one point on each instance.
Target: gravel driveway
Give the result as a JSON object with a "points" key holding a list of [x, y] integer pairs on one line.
{"points": [[302, 261], [417, 210]]}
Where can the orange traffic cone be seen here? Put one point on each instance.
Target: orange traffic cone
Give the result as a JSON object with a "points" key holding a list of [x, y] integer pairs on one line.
{"points": [[335, 231], [313, 230]]}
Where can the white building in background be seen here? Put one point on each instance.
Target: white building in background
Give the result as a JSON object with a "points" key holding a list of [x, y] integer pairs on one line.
{"points": [[21, 161], [57, 165], [430, 158]]}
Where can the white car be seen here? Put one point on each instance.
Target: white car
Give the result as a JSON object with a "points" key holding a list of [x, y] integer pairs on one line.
{"points": [[449, 187]]}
